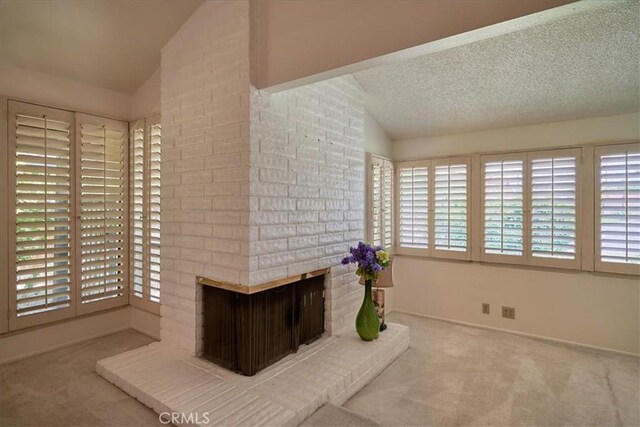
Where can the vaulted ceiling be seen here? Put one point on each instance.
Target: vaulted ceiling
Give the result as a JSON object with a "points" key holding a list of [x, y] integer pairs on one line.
{"points": [[583, 65], [114, 44]]}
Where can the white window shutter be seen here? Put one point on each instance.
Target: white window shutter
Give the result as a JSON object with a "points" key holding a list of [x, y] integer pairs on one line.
{"points": [[502, 211], [41, 250], [413, 207], [103, 212], [618, 208], [554, 200], [145, 161], [451, 208], [381, 202]]}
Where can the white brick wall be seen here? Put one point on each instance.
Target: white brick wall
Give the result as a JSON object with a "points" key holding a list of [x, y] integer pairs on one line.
{"points": [[307, 182], [205, 161], [255, 186]]}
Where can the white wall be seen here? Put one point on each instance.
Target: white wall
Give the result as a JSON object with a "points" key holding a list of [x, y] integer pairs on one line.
{"points": [[44, 89], [593, 309], [376, 140], [146, 99], [622, 128]]}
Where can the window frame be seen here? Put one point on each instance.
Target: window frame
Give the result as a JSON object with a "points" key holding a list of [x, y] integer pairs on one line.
{"points": [[500, 258], [599, 265]]}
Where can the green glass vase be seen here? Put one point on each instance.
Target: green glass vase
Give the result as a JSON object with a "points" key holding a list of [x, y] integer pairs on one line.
{"points": [[367, 321]]}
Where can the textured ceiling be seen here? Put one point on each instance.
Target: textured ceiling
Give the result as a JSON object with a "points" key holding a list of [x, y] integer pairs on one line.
{"points": [[583, 65], [114, 44]]}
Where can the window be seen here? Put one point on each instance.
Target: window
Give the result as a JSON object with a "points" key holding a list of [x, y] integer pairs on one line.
{"points": [[381, 202], [413, 207], [502, 194], [528, 209], [144, 193], [451, 208], [67, 192], [618, 208], [553, 203], [433, 208]]}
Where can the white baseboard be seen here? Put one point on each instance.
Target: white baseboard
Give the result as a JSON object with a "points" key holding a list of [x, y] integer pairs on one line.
{"points": [[523, 334]]}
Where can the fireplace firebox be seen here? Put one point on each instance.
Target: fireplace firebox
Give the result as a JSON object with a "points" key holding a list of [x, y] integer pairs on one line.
{"points": [[247, 329]]}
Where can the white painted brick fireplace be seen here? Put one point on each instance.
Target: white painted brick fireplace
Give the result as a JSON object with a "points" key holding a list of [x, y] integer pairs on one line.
{"points": [[255, 186]]}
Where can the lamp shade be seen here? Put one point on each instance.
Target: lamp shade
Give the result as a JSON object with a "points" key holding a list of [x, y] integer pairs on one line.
{"points": [[385, 277]]}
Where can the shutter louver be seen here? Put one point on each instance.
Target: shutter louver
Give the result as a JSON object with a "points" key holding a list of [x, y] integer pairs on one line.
{"points": [[451, 207], [414, 207], [503, 216], [553, 206], [102, 210], [154, 212], [618, 207], [43, 212]]}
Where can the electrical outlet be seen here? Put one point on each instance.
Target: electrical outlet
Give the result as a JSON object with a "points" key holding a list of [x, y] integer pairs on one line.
{"points": [[508, 312], [485, 308]]}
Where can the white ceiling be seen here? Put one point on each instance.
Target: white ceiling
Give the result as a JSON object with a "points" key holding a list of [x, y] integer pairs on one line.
{"points": [[583, 65], [114, 44]]}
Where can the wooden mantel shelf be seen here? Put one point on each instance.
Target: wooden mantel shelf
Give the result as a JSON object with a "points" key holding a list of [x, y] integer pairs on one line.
{"points": [[248, 290]]}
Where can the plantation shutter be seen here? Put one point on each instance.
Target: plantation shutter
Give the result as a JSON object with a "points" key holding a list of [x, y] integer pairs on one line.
{"points": [[554, 198], [145, 153], [381, 202], [503, 208], [451, 208], [618, 208], [413, 208], [102, 207], [40, 182]]}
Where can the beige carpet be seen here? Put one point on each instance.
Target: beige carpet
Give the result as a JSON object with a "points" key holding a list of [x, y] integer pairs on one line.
{"points": [[451, 376], [336, 416], [457, 376]]}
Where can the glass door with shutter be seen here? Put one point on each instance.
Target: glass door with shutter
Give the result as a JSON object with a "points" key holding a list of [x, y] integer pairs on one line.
{"points": [[41, 252], [102, 208]]}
